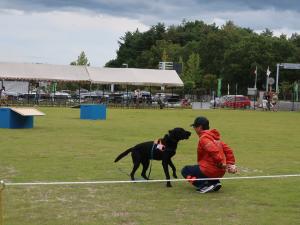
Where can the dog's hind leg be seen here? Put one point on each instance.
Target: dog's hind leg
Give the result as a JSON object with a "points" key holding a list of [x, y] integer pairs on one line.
{"points": [[136, 159], [145, 164], [134, 169]]}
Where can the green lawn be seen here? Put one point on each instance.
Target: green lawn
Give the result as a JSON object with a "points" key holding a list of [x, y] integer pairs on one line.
{"points": [[61, 147]]}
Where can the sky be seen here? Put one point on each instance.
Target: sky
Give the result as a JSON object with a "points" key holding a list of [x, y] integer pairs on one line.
{"points": [[57, 31]]}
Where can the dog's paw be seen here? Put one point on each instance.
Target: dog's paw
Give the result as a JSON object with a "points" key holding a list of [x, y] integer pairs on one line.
{"points": [[169, 184], [175, 175], [145, 177]]}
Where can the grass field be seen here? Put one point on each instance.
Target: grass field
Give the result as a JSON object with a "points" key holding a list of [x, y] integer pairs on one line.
{"points": [[61, 147]]}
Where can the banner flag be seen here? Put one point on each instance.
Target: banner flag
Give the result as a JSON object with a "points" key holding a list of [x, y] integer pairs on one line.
{"points": [[268, 72]]}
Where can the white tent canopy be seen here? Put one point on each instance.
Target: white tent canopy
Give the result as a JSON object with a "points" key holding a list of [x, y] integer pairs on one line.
{"points": [[129, 76], [41, 72]]}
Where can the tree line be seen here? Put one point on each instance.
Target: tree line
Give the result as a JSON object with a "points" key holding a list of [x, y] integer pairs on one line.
{"points": [[206, 52]]}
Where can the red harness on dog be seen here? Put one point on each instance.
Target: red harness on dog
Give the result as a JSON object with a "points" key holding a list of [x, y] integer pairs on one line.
{"points": [[159, 145]]}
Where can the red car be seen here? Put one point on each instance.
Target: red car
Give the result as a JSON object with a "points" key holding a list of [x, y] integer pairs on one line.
{"points": [[236, 101]]}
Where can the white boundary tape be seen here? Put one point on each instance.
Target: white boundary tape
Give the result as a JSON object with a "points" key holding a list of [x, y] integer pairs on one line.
{"points": [[145, 181]]}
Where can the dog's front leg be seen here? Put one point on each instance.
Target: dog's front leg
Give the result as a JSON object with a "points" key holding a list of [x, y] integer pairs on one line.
{"points": [[173, 168], [166, 170]]}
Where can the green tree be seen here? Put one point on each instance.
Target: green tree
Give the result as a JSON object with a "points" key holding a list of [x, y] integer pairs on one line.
{"points": [[189, 86], [210, 82], [286, 89], [180, 61], [295, 41], [267, 33], [229, 52], [192, 69], [81, 60], [164, 57]]}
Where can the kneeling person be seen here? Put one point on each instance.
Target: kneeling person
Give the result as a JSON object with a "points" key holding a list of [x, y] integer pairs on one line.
{"points": [[214, 158]]}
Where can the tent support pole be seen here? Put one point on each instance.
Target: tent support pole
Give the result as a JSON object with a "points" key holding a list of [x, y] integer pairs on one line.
{"points": [[103, 98], [79, 92], [91, 92], [127, 99], [150, 95], [28, 92], [54, 93]]}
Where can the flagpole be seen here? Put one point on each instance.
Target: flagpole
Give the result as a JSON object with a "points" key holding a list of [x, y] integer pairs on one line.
{"points": [[267, 81], [228, 89], [255, 78], [255, 82]]}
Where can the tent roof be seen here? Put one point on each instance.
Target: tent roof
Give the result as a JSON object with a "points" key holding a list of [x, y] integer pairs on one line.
{"points": [[129, 76], [27, 71], [133, 76]]}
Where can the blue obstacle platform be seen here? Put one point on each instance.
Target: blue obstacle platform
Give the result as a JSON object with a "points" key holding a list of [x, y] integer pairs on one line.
{"points": [[93, 112], [18, 117]]}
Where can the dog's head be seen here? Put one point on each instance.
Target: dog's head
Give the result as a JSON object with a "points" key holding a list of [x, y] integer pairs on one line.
{"points": [[179, 133]]}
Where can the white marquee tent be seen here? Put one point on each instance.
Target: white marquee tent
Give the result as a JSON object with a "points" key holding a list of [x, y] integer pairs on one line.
{"points": [[128, 76], [42, 72]]}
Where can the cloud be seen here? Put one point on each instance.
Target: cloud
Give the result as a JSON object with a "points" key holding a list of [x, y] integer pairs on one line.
{"points": [[56, 31], [145, 4], [258, 19], [255, 14], [58, 37], [145, 7]]}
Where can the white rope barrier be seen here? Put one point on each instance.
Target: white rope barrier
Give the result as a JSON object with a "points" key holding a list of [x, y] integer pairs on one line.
{"points": [[144, 181]]}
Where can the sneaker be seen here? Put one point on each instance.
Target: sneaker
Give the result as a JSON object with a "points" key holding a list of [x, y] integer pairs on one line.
{"points": [[205, 189], [217, 187]]}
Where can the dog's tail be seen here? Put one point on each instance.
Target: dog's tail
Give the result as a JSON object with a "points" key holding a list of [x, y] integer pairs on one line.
{"points": [[123, 154]]}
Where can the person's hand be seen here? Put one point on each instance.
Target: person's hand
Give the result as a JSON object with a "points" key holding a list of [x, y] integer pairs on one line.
{"points": [[222, 166], [231, 168]]}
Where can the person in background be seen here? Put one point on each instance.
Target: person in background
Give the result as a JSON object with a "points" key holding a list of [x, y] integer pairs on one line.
{"points": [[214, 158], [2, 90], [269, 99], [274, 102], [160, 101], [37, 93], [2, 96]]}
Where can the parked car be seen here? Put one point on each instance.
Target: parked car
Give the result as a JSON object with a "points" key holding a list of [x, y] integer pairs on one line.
{"points": [[120, 97], [144, 97], [235, 101], [174, 98], [159, 96]]}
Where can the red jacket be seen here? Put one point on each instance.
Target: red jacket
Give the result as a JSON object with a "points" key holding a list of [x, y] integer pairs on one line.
{"points": [[212, 152]]}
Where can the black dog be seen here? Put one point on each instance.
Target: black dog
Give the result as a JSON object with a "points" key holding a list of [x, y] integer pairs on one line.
{"points": [[163, 149]]}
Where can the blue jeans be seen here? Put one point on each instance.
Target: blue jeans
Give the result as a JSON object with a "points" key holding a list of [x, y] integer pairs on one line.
{"points": [[194, 171]]}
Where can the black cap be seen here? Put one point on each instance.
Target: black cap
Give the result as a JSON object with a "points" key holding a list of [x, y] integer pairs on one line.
{"points": [[201, 121]]}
